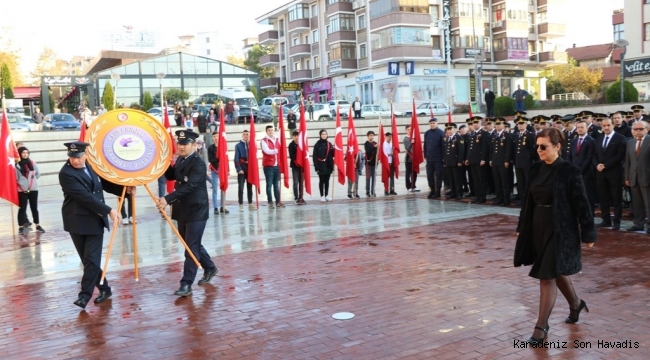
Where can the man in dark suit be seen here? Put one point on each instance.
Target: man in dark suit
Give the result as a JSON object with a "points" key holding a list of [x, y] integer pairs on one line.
{"points": [[489, 102], [190, 208], [525, 156], [581, 155], [610, 154], [620, 126], [500, 157], [85, 215], [478, 147], [453, 160], [433, 153], [637, 174]]}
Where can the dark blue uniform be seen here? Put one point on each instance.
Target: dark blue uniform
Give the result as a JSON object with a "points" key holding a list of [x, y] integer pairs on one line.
{"points": [[478, 147], [525, 155], [433, 153], [500, 154], [454, 155]]}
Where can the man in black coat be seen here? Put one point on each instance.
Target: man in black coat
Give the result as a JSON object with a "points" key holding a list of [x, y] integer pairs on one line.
{"points": [[610, 154], [370, 152], [489, 102], [433, 153], [478, 147], [190, 208], [525, 156], [500, 157], [581, 155], [453, 160], [620, 126], [85, 216]]}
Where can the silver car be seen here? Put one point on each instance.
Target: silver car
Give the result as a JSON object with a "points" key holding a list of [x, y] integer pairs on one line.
{"points": [[16, 123], [426, 108]]}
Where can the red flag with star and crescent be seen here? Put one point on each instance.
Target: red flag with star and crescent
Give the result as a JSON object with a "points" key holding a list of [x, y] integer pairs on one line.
{"points": [[353, 150], [417, 153], [223, 154], [283, 162], [395, 143], [338, 149], [383, 158], [168, 127], [302, 154], [8, 155], [253, 176]]}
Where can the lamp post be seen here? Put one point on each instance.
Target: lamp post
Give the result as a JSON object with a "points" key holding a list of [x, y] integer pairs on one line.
{"points": [[622, 43], [445, 23], [161, 75], [116, 77]]}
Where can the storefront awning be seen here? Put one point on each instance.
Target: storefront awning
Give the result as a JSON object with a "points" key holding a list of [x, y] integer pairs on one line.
{"points": [[27, 92]]}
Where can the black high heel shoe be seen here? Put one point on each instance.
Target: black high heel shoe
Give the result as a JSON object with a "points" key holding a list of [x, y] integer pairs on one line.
{"points": [[532, 340], [572, 319]]}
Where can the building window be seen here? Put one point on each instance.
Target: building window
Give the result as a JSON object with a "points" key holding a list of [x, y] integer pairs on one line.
{"points": [[342, 51], [314, 36], [362, 21], [647, 31], [434, 10], [307, 39], [295, 41], [341, 22], [207, 40], [416, 6], [296, 66], [332, 2], [436, 43], [498, 12], [297, 12], [619, 31], [486, 43], [384, 7], [307, 67], [316, 62], [314, 10], [401, 36], [465, 9], [541, 17], [501, 42], [207, 52], [363, 52]]}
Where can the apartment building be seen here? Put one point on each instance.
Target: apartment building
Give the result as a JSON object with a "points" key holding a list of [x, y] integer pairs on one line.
{"points": [[396, 50], [637, 56]]}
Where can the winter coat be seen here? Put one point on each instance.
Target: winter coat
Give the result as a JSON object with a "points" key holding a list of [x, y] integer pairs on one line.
{"points": [[323, 157]]}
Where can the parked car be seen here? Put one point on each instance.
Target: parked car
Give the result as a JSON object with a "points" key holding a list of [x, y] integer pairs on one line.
{"points": [[61, 121], [245, 114], [33, 126], [375, 111], [16, 123], [321, 112], [344, 107], [423, 110], [157, 113]]}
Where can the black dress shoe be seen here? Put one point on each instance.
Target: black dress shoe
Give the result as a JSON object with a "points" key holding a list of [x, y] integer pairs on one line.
{"points": [[616, 226], [634, 228], [436, 195], [497, 202], [430, 196], [103, 296], [81, 302], [224, 211], [207, 276], [184, 290], [535, 341], [474, 201], [604, 224], [480, 201]]}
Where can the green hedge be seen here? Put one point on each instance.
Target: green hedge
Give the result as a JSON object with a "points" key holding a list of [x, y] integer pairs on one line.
{"points": [[630, 93], [504, 106]]}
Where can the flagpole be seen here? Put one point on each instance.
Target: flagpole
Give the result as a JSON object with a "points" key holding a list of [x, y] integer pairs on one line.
{"points": [[413, 114], [374, 176], [13, 224]]}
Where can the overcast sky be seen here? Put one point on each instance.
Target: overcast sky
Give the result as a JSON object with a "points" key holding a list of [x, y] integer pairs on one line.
{"points": [[75, 27]]}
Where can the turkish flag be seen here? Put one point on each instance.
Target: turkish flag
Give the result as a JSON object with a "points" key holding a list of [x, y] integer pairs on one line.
{"points": [[395, 143], [338, 149], [417, 155], [82, 133], [167, 124], [253, 176], [353, 150], [223, 154], [383, 158], [8, 155], [282, 151], [302, 155], [449, 117]]}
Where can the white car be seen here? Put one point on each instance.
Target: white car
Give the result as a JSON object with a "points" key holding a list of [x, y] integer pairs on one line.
{"points": [[344, 107], [157, 113], [375, 111], [321, 112], [33, 126], [424, 109]]}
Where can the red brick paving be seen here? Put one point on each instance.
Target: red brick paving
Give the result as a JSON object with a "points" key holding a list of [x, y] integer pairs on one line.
{"points": [[444, 291]]}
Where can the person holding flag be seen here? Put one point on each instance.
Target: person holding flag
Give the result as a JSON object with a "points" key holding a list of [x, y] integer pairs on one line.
{"points": [[395, 144], [338, 149], [282, 154], [416, 152], [224, 167], [370, 147], [302, 153], [353, 160], [270, 150], [388, 161], [296, 171], [9, 156], [241, 166], [253, 176], [323, 164], [411, 177]]}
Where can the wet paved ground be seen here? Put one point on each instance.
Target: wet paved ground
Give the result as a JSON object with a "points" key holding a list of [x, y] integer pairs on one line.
{"points": [[425, 279]]}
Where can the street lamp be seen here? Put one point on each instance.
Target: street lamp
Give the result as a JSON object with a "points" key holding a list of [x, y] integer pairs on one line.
{"points": [[622, 43], [161, 75], [445, 24], [116, 77]]}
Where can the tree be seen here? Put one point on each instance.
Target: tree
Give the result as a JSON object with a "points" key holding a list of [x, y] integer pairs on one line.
{"points": [[7, 81], [47, 64], [504, 106], [576, 78], [147, 101], [553, 86], [108, 97], [11, 61], [630, 93], [235, 60], [252, 61], [176, 95]]}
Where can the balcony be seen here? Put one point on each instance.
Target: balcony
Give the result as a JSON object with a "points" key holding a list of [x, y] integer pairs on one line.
{"points": [[398, 18], [299, 25], [551, 30], [270, 60], [552, 57], [511, 57], [316, 73], [301, 75], [342, 65], [340, 6], [269, 83], [401, 53], [466, 22], [363, 63], [510, 25], [269, 37], [300, 50], [342, 35]]}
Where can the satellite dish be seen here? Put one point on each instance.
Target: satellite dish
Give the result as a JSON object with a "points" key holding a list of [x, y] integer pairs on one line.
{"points": [[622, 43]]}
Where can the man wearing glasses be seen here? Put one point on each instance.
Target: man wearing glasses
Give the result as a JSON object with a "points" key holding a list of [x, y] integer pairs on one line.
{"points": [[637, 174]]}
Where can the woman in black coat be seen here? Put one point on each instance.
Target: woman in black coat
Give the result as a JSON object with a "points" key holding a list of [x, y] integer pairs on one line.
{"points": [[324, 164], [555, 218]]}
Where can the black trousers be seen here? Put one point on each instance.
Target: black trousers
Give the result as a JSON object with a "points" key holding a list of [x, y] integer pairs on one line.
{"points": [[522, 181], [511, 177], [127, 208], [454, 174], [241, 180], [192, 233], [489, 178], [490, 110], [609, 184], [370, 179], [298, 183], [89, 248], [410, 174], [434, 174], [502, 185], [477, 179], [357, 114], [23, 199], [324, 184]]}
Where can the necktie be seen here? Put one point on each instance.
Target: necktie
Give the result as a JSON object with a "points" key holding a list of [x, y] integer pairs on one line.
{"points": [[579, 145], [638, 147], [606, 140], [87, 173]]}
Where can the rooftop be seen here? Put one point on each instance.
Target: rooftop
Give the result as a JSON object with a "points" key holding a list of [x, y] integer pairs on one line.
{"points": [[591, 52]]}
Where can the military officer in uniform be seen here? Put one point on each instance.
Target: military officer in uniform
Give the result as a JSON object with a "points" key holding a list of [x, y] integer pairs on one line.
{"points": [[453, 160], [629, 117], [190, 208], [478, 147], [85, 216], [569, 134], [637, 113], [500, 155], [593, 130], [525, 155]]}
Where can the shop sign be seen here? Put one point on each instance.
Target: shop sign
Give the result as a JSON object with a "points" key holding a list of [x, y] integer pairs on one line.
{"points": [[472, 53], [290, 86], [335, 65], [636, 67], [429, 72], [498, 73], [365, 78]]}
